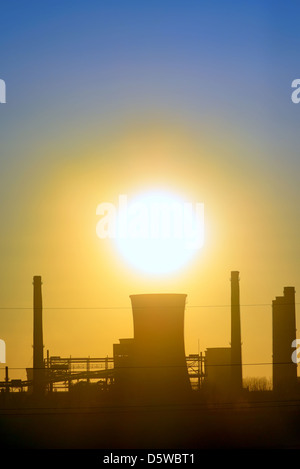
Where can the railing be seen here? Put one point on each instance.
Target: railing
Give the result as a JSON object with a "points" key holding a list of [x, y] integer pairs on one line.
{"points": [[60, 372]]}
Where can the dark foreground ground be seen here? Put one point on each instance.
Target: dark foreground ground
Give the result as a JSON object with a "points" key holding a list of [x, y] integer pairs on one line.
{"points": [[259, 426]]}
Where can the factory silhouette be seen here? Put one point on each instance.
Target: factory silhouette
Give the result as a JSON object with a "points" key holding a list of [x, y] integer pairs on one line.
{"points": [[150, 384]]}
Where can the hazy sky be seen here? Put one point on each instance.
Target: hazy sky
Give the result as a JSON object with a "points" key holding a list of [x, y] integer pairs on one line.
{"points": [[112, 97]]}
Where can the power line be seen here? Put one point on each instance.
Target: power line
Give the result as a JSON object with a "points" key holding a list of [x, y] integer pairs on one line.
{"points": [[127, 307]]}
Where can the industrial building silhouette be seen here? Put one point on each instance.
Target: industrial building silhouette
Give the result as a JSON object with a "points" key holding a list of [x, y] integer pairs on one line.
{"points": [[155, 365], [152, 365], [151, 368], [284, 333]]}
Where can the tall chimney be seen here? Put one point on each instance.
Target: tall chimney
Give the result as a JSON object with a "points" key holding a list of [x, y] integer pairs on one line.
{"points": [[284, 333], [236, 345], [38, 354]]}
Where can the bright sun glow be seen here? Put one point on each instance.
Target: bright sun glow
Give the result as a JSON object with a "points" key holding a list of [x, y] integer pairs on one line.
{"points": [[159, 233]]}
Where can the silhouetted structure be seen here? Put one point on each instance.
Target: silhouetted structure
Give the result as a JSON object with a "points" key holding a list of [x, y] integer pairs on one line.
{"points": [[152, 366], [218, 373], [236, 345], [38, 347], [131, 400], [284, 332], [124, 354]]}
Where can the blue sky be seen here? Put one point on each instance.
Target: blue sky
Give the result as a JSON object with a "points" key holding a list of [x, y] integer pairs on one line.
{"points": [[96, 59]]}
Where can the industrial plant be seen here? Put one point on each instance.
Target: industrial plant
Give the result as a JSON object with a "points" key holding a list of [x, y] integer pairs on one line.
{"points": [[151, 369], [152, 366]]}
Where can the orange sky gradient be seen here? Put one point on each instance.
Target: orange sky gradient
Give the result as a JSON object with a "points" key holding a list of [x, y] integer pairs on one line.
{"points": [[50, 230]]}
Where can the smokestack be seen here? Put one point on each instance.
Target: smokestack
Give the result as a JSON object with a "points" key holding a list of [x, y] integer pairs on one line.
{"points": [[38, 353], [284, 333], [159, 354], [236, 345]]}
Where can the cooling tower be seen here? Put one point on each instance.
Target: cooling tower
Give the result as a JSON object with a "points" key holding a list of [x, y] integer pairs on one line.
{"points": [[159, 353]]}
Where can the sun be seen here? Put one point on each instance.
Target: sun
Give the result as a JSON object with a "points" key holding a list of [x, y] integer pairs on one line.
{"points": [[158, 233]]}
